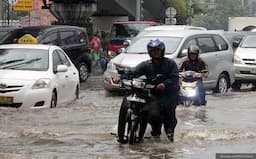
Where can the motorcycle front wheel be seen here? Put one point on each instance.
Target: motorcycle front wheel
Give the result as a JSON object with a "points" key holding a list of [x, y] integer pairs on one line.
{"points": [[133, 136]]}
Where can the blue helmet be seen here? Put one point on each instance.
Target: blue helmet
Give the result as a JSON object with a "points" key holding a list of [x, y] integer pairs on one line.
{"points": [[156, 44]]}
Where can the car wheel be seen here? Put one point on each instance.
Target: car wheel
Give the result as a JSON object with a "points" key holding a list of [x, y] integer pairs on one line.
{"points": [[83, 72], [54, 100], [236, 85], [222, 84], [77, 92]]}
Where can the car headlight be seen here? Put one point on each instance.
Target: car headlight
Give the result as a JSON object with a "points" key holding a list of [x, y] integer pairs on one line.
{"points": [[42, 83], [237, 60], [111, 67]]}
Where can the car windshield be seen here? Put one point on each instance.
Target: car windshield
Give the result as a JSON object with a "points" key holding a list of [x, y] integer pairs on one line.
{"points": [[249, 42], [140, 45], [126, 31], [24, 59]]}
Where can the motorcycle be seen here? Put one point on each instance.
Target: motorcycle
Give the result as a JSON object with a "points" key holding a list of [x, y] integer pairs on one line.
{"points": [[189, 90], [132, 121]]}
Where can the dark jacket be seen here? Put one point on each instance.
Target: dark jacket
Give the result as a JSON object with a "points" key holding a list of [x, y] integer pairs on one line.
{"points": [[195, 65], [168, 68]]}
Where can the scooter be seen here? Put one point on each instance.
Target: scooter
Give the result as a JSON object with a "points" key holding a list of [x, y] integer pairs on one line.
{"points": [[189, 91], [132, 124]]}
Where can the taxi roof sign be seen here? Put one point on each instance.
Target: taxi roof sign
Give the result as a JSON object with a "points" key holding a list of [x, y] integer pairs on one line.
{"points": [[27, 39]]}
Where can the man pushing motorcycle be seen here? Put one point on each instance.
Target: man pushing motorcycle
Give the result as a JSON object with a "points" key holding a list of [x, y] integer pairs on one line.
{"points": [[194, 63], [165, 94]]}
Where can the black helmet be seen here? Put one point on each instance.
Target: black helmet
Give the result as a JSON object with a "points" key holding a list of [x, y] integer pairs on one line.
{"points": [[156, 44], [193, 49]]}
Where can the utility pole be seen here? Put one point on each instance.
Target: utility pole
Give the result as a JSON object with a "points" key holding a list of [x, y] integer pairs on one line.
{"points": [[8, 13], [190, 12], [139, 10]]}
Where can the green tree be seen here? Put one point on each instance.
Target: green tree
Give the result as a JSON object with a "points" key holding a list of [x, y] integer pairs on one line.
{"points": [[181, 8], [217, 18]]}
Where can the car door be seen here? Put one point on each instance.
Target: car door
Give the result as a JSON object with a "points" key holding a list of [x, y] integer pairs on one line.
{"points": [[209, 53], [60, 79], [69, 43], [70, 76]]}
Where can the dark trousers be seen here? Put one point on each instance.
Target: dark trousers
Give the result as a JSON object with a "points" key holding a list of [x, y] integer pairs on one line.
{"points": [[163, 114], [155, 114], [201, 91]]}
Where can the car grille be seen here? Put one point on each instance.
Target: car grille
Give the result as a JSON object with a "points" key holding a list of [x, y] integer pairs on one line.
{"points": [[11, 88], [247, 72], [15, 105], [249, 61]]}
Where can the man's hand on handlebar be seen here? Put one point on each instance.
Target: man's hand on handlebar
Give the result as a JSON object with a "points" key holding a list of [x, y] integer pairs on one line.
{"points": [[160, 86]]}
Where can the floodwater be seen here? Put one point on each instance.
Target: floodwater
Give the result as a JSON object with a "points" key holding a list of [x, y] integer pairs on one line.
{"points": [[82, 129]]}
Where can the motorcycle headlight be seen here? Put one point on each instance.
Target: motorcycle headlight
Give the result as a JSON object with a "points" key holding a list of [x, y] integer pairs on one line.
{"points": [[192, 93], [42, 83]]}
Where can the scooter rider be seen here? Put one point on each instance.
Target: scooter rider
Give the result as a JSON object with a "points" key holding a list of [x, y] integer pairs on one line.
{"points": [[194, 63], [164, 96]]}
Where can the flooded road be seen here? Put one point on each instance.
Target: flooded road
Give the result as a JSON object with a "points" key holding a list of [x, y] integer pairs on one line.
{"points": [[81, 130]]}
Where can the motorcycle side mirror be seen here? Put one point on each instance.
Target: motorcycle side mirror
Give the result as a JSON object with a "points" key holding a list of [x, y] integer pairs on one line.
{"points": [[204, 71]]}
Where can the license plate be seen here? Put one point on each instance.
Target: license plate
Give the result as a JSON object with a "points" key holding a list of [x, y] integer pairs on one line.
{"points": [[6, 100], [253, 70]]}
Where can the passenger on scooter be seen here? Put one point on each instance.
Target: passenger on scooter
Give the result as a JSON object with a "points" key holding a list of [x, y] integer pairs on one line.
{"points": [[194, 63], [165, 95]]}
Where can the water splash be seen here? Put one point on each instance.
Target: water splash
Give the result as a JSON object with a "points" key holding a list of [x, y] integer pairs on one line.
{"points": [[219, 134]]}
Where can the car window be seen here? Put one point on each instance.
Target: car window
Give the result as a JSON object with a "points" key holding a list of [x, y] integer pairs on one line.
{"points": [[190, 42], [24, 59], [13, 36], [68, 38], [82, 37], [51, 38], [56, 60], [63, 58], [221, 43], [206, 44]]}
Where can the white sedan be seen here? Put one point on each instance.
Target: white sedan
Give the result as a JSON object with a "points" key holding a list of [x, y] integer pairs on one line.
{"points": [[36, 76]]}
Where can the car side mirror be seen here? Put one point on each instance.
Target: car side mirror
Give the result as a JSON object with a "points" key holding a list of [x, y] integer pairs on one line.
{"points": [[62, 68], [184, 53], [235, 44], [126, 43], [120, 50]]}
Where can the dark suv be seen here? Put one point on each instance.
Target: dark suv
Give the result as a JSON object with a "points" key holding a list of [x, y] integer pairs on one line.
{"points": [[72, 39]]}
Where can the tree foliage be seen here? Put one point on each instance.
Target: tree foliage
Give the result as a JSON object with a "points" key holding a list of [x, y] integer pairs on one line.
{"points": [[217, 18], [181, 8]]}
